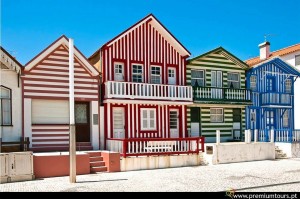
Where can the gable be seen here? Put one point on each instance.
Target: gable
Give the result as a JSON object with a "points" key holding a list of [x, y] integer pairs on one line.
{"points": [[218, 59], [141, 30], [57, 54]]}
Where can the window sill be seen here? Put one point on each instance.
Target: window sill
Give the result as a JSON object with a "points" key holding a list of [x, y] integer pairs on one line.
{"points": [[7, 125]]}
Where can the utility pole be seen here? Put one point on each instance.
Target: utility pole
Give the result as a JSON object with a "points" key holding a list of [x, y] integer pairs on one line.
{"points": [[72, 138]]}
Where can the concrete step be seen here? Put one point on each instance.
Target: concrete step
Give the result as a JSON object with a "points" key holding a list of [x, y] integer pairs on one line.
{"points": [[98, 169], [97, 164], [95, 154], [96, 158]]}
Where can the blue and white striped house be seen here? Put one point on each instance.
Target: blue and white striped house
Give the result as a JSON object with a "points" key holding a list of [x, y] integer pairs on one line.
{"points": [[272, 85]]}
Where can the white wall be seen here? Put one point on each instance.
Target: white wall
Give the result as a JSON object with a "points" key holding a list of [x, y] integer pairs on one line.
{"points": [[292, 150], [27, 119], [13, 133], [101, 117], [242, 152], [290, 58], [94, 128]]}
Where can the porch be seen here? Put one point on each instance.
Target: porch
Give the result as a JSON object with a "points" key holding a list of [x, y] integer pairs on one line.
{"points": [[221, 95], [132, 90], [156, 146]]}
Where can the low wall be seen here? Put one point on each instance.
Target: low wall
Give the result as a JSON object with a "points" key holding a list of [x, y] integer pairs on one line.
{"points": [[112, 161], [242, 152], [58, 164], [292, 150], [159, 162]]}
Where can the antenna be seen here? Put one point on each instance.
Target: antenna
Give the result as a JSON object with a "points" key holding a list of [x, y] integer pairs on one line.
{"points": [[268, 35]]}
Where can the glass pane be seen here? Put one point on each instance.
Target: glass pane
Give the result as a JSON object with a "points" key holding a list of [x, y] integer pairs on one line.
{"points": [[81, 114], [213, 111], [197, 73], [145, 124], [4, 93], [151, 114], [6, 112], [152, 124], [144, 114]]}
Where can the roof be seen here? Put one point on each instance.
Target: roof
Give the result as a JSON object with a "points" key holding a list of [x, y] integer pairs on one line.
{"points": [[226, 53], [289, 69], [152, 19], [9, 61], [280, 52], [63, 40]]}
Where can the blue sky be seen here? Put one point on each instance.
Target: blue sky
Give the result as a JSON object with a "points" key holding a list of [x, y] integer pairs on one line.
{"points": [[27, 27]]}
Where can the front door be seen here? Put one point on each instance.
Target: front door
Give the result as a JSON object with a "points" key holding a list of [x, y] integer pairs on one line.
{"points": [[195, 122], [118, 123], [172, 76], [237, 123], [119, 72], [217, 83], [82, 121], [174, 124], [270, 119]]}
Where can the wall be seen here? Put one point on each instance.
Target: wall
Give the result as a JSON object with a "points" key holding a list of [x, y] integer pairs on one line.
{"points": [[292, 150], [101, 123], [12, 133], [95, 135], [159, 162], [57, 164], [290, 58], [112, 161], [241, 152]]}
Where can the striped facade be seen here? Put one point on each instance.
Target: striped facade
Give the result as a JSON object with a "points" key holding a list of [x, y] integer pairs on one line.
{"points": [[46, 95], [147, 44], [217, 60], [273, 95]]}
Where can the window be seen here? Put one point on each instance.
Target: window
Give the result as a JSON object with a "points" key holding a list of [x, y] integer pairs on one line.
{"points": [[137, 73], [297, 60], [155, 75], [5, 106], [216, 79], [233, 80], [271, 84], [253, 82], [197, 77], [286, 119], [216, 115], [288, 85], [148, 119]]}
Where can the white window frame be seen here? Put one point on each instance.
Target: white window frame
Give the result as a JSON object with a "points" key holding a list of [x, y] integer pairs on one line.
{"points": [[119, 64], [140, 74], [155, 75], [198, 78], [288, 82], [297, 57], [285, 119], [253, 84], [216, 114], [2, 112], [234, 81], [148, 119], [216, 79]]}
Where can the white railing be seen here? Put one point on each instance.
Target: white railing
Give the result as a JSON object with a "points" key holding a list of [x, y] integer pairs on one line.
{"points": [[280, 135], [296, 135], [134, 90], [209, 93], [155, 146]]}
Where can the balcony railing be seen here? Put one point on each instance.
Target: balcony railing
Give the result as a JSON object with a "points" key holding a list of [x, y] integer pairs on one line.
{"points": [[156, 146], [280, 135], [132, 90], [276, 99], [221, 94]]}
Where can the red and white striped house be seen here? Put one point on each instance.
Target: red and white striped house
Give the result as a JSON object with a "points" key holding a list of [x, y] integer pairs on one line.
{"points": [[143, 90], [45, 92]]}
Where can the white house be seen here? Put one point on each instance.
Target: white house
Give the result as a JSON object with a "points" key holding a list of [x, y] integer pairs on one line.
{"points": [[10, 98], [291, 55]]}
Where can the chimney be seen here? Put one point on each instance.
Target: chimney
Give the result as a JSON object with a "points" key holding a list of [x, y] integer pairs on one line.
{"points": [[264, 50]]}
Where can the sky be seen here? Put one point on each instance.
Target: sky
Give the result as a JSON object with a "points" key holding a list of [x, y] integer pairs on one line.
{"points": [[28, 27]]}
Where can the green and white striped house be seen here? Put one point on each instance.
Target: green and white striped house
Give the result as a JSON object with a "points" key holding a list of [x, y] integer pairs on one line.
{"points": [[220, 95]]}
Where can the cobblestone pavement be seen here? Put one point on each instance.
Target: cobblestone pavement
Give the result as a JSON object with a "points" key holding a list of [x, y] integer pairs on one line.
{"points": [[276, 175]]}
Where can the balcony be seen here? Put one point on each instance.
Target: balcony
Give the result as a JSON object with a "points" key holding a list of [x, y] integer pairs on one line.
{"points": [[132, 90], [276, 99], [222, 95]]}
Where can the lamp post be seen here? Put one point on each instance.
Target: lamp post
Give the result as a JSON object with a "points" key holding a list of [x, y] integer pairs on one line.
{"points": [[72, 138]]}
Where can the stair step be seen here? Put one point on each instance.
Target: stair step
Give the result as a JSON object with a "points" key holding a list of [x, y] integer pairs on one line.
{"points": [[96, 159], [97, 164], [98, 169], [94, 154]]}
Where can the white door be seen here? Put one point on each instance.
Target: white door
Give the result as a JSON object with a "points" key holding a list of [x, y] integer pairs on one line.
{"points": [[174, 124], [217, 83], [118, 123], [171, 76], [119, 72]]}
